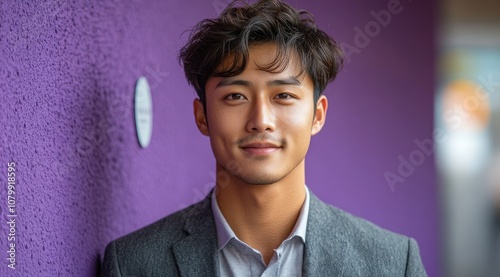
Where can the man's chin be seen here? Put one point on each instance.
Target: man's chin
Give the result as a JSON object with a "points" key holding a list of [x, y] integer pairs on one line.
{"points": [[260, 180]]}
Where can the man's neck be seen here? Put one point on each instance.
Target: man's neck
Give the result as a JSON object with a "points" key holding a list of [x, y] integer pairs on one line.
{"points": [[263, 216]]}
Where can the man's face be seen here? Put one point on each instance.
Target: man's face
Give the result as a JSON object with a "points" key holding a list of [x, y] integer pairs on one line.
{"points": [[260, 123]]}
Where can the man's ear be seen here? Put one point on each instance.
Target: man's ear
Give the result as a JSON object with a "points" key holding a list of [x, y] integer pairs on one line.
{"points": [[319, 115], [200, 117]]}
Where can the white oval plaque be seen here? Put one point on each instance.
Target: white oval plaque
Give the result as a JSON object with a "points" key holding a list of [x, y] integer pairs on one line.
{"points": [[143, 108]]}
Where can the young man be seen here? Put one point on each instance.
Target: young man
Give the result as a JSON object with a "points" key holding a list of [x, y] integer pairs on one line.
{"points": [[259, 72]]}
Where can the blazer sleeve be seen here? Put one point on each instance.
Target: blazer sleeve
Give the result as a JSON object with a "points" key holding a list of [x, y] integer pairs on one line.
{"points": [[110, 265], [414, 266]]}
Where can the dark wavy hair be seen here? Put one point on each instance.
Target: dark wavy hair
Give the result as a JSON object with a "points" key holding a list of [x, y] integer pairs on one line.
{"points": [[240, 25]]}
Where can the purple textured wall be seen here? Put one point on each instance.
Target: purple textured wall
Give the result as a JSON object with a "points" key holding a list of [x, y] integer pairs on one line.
{"points": [[67, 73]]}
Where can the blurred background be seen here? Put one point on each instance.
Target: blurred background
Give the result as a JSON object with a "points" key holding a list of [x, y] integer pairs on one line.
{"points": [[468, 135], [411, 143]]}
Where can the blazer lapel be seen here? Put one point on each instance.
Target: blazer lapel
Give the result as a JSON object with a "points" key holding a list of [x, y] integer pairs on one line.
{"points": [[325, 251], [196, 254], [326, 246]]}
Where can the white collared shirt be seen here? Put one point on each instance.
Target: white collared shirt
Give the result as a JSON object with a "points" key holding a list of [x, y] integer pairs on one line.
{"points": [[237, 258]]}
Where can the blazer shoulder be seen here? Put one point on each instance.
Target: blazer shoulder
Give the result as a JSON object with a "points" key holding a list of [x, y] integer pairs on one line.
{"points": [[356, 228], [148, 251], [364, 228], [364, 244], [167, 230]]}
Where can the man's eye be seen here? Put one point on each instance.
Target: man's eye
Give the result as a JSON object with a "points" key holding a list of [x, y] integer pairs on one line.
{"points": [[235, 96], [284, 96]]}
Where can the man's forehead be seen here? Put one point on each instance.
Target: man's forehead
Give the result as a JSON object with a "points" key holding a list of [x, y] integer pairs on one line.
{"points": [[263, 56]]}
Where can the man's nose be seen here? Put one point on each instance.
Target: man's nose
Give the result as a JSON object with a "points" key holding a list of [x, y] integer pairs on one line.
{"points": [[261, 117]]}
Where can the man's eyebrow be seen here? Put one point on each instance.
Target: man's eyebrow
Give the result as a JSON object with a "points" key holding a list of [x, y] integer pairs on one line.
{"points": [[273, 83], [233, 82], [282, 82]]}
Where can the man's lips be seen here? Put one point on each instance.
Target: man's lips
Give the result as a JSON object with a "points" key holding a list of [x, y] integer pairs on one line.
{"points": [[260, 148]]}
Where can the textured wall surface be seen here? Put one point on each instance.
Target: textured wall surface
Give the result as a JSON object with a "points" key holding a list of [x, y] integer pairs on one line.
{"points": [[67, 74]]}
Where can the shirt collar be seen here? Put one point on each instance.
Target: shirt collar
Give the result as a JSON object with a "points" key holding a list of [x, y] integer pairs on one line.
{"points": [[225, 233]]}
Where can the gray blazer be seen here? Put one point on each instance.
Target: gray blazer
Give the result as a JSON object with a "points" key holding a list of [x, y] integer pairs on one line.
{"points": [[337, 244]]}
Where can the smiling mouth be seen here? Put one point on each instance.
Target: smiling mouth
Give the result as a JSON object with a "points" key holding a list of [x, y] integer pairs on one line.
{"points": [[261, 148]]}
